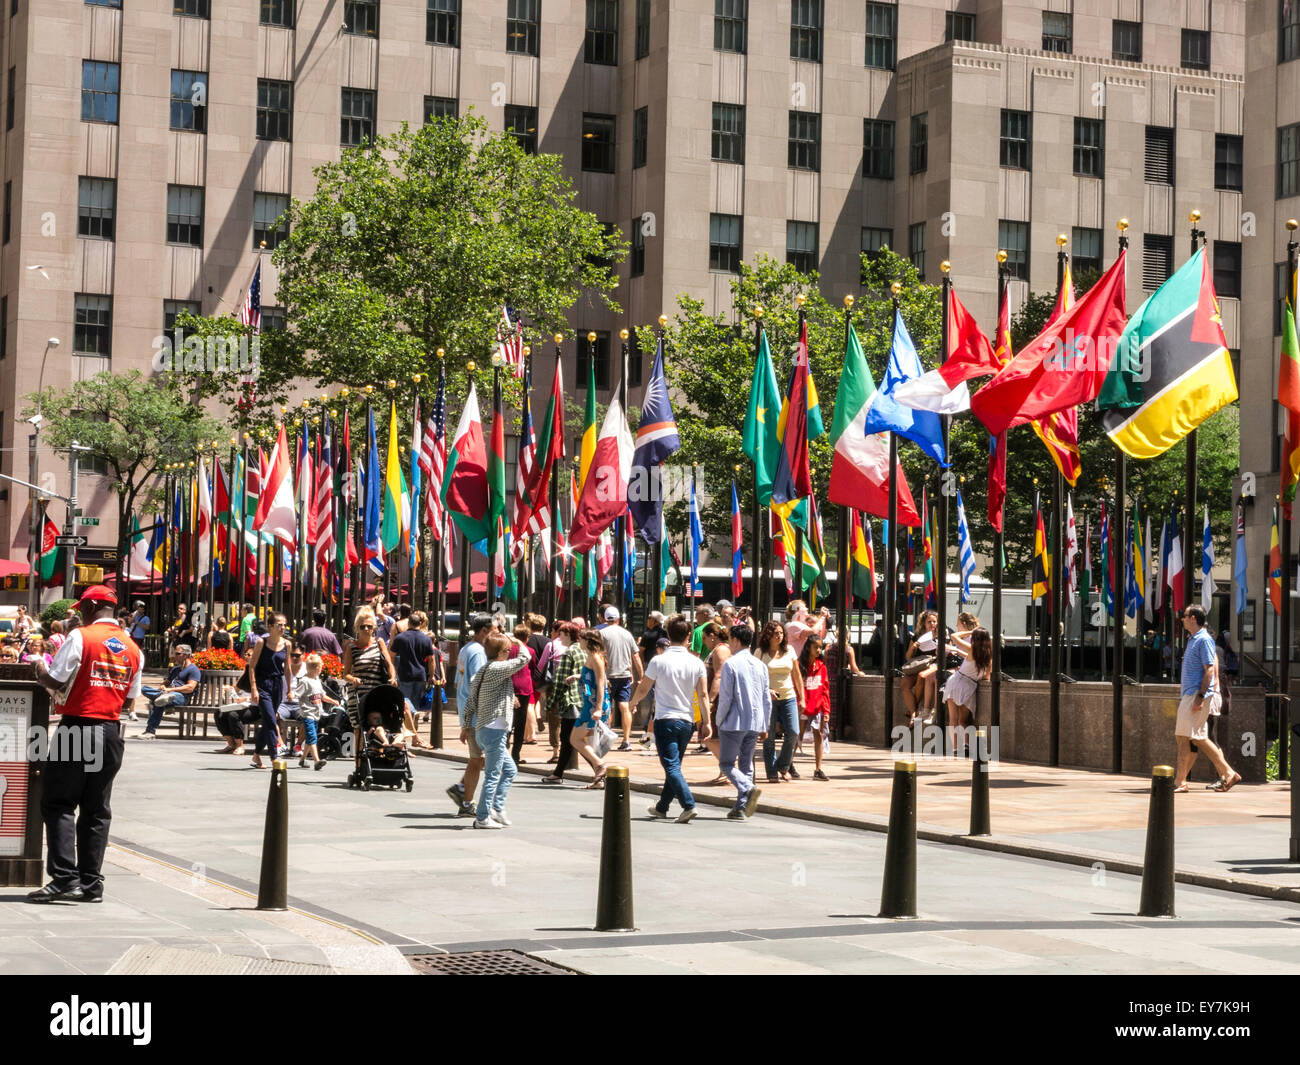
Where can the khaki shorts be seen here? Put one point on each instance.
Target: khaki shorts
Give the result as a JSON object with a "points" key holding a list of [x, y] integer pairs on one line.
{"points": [[1192, 722], [475, 751]]}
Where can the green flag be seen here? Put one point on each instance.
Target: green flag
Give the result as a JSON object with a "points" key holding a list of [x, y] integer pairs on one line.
{"points": [[759, 437]]}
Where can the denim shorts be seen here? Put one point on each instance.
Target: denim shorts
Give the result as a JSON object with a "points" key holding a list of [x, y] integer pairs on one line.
{"points": [[620, 689], [309, 727]]}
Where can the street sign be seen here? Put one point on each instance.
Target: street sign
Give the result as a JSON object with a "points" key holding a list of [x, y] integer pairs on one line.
{"points": [[70, 541], [87, 521]]}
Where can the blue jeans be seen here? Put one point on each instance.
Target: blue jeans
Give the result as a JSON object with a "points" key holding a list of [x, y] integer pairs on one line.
{"points": [[498, 770], [785, 711], [736, 759], [672, 737], [159, 702]]}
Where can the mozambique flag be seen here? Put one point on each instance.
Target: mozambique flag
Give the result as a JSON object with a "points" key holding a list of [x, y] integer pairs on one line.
{"points": [[759, 438], [862, 559], [1042, 563], [1275, 568], [1171, 369], [1288, 395], [1059, 431]]}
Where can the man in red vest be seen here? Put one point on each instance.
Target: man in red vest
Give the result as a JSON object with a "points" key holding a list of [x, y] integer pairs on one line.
{"points": [[95, 676]]}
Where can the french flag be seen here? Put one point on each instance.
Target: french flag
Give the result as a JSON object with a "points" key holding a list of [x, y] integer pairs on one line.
{"points": [[275, 506]]}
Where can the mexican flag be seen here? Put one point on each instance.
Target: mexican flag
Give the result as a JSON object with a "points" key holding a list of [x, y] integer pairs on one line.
{"points": [[465, 490]]}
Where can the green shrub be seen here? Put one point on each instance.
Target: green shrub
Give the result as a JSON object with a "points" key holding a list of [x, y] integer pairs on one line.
{"points": [[56, 611]]}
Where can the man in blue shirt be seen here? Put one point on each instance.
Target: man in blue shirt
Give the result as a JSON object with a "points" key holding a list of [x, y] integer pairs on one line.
{"points": [[471, 659], [1200, 699], [181, 681], [744, 710]]}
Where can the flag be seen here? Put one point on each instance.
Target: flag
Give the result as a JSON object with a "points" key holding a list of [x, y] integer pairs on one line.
{"points": [[1139, 560], [551, 451], [1288, 396], [816, 547], [498, 529], [795, 427], [588, 447], [780, 526], [1239, 561], [1172, 369], [1174, 570], [1132, 593], [343, 488], [324, 503], [927, 549], [305, 489], [465, 483], [656, 439], [1059, 430], [969, 355], [998, 443], [1064, 365], [1275, 568], [863, 561], [1085, 585], [785, 537], [433, 459], [1208, 587], [371, 538], [1144, 582], [48, 569], [965, 551], [759, 436], [527, 459], [396, 499], [139, 563], [204, 524], [603, 496], [1042, 564], [1071, 550], [696, 539], [1107, 564], [860, 465], [250, 311], [629, 559], [412, 510], [737, 546], [275, 515], [886, 414], [510, 341]]}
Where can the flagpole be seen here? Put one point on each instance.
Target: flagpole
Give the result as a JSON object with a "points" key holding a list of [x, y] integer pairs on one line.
{"points": [[995, 673], [214, 562], [620, 523], [230, 566], [1056, 600], [1118, 522], [302, 449], [494, 535], [657, 550], [888, 640], [1138, 609], [466, 590], [415, 602], [1290, 716], [439, 578], [552, 496], [523, 593], [160, 600], [941, 539], [755, 513]]}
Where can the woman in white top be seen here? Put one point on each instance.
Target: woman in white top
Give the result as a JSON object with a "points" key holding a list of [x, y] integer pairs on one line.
{"points": [[962, 687], [786, 685], [926, 642]]}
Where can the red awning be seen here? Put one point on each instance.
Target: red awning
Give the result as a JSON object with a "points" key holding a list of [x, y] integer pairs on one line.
{"points": [[477, 584], [10, 568]]}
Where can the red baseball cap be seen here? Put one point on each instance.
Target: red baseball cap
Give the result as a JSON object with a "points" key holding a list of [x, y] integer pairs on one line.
{"points": [[98, 593]]}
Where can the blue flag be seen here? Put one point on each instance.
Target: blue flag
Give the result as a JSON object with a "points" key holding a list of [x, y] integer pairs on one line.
{"points": [[1239, 567], [374, 488], [886, 414], [697, 538], [656, 439], [965, 552]]}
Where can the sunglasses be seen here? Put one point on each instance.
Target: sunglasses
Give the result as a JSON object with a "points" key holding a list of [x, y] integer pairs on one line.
{"points": [[365, 626]]}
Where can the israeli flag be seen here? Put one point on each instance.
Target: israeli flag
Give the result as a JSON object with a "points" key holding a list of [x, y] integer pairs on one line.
{"points": [[965, 553]]}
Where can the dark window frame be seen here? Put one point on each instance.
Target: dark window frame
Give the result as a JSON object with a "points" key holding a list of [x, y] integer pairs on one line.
{"points": [[181, 106], [92, 324], [274, 118], [636, 256], [1089, 147], [918, 144], [601, 354], [104, 92], [1013, 238], [96, 219], [728, 144], [1152, 170], [878, 147], [1061, 38], [1127, 51], [731, 26], [882, 36], [1229, 162], [522, 27], [804, 260], [806, 23], [172, 309], [1016, 139], [440, 107], [276, 13], [640, 136], [916, 247], [361, 18], [1288, 30], [1227, 268], [1087, 249], [442, 23], [600, 42], [191, 9], [526, 138], [642, 43], [959, 26], [1156, 245], [599, 143], [357, 125], [1288, 161], [804, 141], [726, 257], [1194, 50], [261, 230], [185, 230]]}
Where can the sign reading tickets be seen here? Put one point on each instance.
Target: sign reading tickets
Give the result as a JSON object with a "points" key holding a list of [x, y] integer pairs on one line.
{"points": [[15, 720]]}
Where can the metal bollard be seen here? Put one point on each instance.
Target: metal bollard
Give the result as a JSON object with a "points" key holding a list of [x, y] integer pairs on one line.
{"points": [[1158, 865], [435, 720], [614, 895], [979, 787], [273, 883], [898, 892]]}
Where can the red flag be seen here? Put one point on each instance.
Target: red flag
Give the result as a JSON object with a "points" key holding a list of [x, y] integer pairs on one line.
{"points": [[792, 480], [1065, 365], [969, 352], [604, 493], [1059, 431]]}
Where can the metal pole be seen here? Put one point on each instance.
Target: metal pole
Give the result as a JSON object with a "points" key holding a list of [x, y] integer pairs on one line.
{"points": [[755, 508], [212, 538], [1118, 521], [1055, 591], [995, 674], [941, 532], [34, 528], [620, 523], [70, 526], [493, 534], [1290, 716], [891, 572]]}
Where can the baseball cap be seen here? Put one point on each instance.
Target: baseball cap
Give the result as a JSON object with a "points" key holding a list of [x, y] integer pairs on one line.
{"points": [[611, 613], [98, 593]]}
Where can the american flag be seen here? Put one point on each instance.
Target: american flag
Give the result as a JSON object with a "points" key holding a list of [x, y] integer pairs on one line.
{"points": [[306, 491], [324, 496], [433, 459], [510, 341], [523, 474], [250, 311]]}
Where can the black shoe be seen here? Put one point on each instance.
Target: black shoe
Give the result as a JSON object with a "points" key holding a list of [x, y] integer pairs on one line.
{"points": [[466, 810], [794, 773], [53, 893], [92, 895]]}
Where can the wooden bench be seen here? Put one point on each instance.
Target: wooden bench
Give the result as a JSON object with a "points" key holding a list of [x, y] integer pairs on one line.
{"points": [[206, 700]]}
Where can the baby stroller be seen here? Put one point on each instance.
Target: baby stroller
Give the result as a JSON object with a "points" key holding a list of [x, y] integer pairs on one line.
{"points": [[381, 766], [335, 725]]}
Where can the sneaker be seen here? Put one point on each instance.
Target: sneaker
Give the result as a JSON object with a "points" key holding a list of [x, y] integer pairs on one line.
{"points": [[819, 775], [284, 752], [302, 763], [552, 780], [644, 741], [624, 747], [489, 823], [736, 815], [686, 816], [133, 716], [456, 795], [467, 810], [146, 736], [794, 773], [657, 814], [499, 816], [751, 801]]}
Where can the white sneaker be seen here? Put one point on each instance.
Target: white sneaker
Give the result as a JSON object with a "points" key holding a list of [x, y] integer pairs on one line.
{"points": [[133, 716], [657, 814], [146, 736], [686, 816], [499, 816], [489, 823]]}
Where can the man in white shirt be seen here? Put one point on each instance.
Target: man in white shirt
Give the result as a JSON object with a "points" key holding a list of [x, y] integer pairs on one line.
{"points": [[679, 682], [623, 670]]}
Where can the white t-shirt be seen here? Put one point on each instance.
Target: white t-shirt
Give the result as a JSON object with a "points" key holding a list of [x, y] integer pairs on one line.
{"points": [[676, 674], [308, 691]]}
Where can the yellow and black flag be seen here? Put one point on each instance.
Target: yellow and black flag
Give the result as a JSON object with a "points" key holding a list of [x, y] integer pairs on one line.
{"points": [[1042, 563], [1171, 369]]}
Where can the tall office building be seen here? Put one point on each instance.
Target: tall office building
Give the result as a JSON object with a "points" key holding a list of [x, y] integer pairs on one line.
{"points": [[150, 145]]}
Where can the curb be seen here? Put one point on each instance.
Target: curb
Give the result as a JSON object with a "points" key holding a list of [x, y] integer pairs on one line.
{"points": [[1018, 846]]}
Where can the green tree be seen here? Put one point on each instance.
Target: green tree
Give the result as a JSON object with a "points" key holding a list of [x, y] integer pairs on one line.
{"points": [[131, 424]]}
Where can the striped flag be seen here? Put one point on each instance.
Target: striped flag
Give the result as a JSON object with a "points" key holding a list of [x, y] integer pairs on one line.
{"points": [[413, 497], [524, 475], [324, 494], [737, 546], [433, 459], [250, 311], [965, 552], [510, 340], [306, 489]]}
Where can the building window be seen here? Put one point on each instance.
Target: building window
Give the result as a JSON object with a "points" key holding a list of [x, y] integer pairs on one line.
{"points": [[725, 232], [104, 3], [9, 98], [729, 133], [1126, 41], [92, 465], [1085, 249], [806, 30], [1058, 32], [1227, 162], [190, 8], [96, 207], [640, 136], [1227, 269], [803, 151], [99, 88], [878, 148], [1288, 161], [521, 123], [189, 104], [601, 46], [357, 125], [173, 309], [1196, 49], [1281, 281], [361, 17], [1013, 238], [4, 329], [6, 230], [1089, 147], [274, 110], [1288, 30], [882, 36], [729, 25], [916, 247], [1157, 260], [637, 256], [439, 107], [634, 373], [600, 350], [185, 215], [801, 246], [273, 320], [92, 329], [442, 23], [642, 28], [919, 148], [1160, 156], [276, 13], [958, 26], [521, 27], [598, 143], [1013, 151], [269, 208], [875, 240]]}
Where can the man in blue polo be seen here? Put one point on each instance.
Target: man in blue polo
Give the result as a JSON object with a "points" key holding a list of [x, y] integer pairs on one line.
{"points": [[1200, 699], [744, 712]]}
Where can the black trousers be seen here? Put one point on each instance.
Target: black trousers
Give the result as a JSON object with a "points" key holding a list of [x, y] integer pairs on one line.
{"points": [[566, 745], [230, 723], [520, 721], [84, 757]]}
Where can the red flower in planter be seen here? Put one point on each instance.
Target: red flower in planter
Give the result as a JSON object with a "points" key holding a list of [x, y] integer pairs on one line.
{"points": [[219, 659]]}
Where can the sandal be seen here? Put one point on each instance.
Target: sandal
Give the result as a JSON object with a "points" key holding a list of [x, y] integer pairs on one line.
{"points": [[1226, 785], [257, 765], [717, 782], [553, 759], [1181, 788], [598, 784]]}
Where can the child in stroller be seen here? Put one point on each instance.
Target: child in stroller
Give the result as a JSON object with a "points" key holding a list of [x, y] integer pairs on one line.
{"points": [[379, 759]]}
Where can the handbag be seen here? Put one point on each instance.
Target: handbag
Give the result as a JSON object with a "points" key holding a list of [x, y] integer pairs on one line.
{"points": [[602, 739], [916, 665]]}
